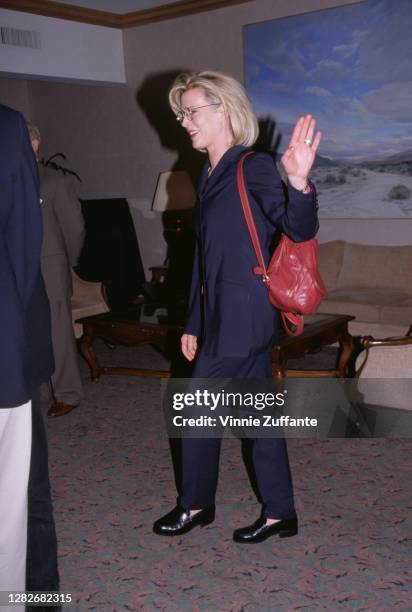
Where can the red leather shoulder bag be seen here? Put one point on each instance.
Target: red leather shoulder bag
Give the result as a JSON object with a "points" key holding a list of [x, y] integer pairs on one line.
{"points": [[292, 278]]}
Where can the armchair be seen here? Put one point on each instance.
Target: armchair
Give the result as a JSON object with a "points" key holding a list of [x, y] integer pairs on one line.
{"points": [[89, 298], [111, 250], [384, 385]]}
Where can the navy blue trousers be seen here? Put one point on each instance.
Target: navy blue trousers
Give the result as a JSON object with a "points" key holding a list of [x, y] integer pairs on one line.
{"points": [[200, 456], [41, 569]]}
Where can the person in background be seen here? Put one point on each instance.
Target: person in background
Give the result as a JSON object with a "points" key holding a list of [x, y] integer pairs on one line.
{"points": [[63, 229], [26, 357], [231, 325]]}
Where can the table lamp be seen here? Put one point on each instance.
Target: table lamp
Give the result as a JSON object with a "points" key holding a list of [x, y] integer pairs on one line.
{"points": [[174, 191]]}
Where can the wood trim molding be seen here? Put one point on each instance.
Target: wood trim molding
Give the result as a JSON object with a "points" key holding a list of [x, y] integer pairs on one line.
{"points": [[48, 8], [177, 9]]}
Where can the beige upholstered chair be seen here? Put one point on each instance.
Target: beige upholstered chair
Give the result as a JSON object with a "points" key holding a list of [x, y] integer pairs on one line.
{"points": [[88, 299], [390, 361]]}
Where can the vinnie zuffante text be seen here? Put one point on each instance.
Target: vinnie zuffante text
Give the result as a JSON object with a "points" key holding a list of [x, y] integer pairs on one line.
{"points": [[212, 401]]}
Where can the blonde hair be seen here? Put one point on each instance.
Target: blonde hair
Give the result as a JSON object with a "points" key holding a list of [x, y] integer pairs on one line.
{"points": [[224, 89]]}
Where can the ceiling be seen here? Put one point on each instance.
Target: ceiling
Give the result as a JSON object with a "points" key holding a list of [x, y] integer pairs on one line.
{"points": [[117, 6]]}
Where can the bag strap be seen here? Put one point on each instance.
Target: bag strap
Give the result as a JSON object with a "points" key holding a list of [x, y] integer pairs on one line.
{"points": [[297, 321], [261, 269], [293, 323]]}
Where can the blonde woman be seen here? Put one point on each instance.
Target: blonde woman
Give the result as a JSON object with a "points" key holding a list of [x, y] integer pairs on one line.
{"points": [[231, 326]]}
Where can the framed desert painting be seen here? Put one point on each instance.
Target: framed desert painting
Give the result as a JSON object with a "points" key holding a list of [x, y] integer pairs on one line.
{"points": [[351, 67]]}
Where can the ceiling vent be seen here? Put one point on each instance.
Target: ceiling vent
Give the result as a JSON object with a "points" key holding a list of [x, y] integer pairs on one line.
{"points": [[20, 38]]}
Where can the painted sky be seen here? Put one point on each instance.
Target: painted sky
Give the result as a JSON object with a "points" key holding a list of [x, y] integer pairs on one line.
{"points": [[351, 67]]}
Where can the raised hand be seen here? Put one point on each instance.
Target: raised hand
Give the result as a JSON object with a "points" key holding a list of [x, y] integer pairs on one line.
{"points": [[298, 158]]}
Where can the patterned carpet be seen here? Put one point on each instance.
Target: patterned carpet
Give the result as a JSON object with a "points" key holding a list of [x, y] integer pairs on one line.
{"points": [[112, 477]]}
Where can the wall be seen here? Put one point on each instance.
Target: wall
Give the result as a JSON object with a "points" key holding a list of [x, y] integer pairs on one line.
{"points": [[69, 50], [119, 137], [15, 93], [367, 231]]}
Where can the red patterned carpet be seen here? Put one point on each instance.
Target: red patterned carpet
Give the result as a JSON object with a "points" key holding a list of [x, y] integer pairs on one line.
{"points": [[112, 477]]}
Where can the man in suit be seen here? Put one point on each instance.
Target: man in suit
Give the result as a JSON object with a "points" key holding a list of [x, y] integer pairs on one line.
{"points": [[62, 242], [26, 357]]}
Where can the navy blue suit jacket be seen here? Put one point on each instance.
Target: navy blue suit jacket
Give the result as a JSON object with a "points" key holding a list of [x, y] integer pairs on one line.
{"points": [[26, 357], [229, 306]]}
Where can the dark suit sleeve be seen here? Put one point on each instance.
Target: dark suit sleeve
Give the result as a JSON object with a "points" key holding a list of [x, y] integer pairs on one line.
{"points": [[25, 220], [69, 215], [296, 214], [20, 244], [194, 316]]}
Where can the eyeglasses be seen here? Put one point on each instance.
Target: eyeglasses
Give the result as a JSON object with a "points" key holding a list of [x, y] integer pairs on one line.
{"points": [[188, 111]]}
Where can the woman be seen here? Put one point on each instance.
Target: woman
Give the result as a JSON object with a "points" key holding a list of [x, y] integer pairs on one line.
{"points": [[231, 325]]}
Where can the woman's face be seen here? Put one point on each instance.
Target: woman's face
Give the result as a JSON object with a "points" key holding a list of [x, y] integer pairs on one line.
{"points": [[207, 126]]}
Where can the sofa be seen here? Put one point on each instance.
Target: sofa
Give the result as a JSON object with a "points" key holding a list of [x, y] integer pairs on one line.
{"points": [[372, 283]]}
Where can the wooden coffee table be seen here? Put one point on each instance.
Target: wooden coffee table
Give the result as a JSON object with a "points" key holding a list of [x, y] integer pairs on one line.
{"points": [[320, 330], [124, 328]]}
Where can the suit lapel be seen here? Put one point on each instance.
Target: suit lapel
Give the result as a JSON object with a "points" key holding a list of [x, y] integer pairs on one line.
{"points": [[229, 157], [202, 180]]}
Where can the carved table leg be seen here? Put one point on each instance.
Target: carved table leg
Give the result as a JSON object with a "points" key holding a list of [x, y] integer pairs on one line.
{"points": [[86, 349], [347, 349], [278, 365]]}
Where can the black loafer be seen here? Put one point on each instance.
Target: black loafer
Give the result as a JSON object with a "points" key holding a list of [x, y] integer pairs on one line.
{"points": [[259, 531], [179, 521]]}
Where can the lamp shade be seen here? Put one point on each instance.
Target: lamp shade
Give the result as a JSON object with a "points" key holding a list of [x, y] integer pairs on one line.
{"points": [[174, 191]]}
